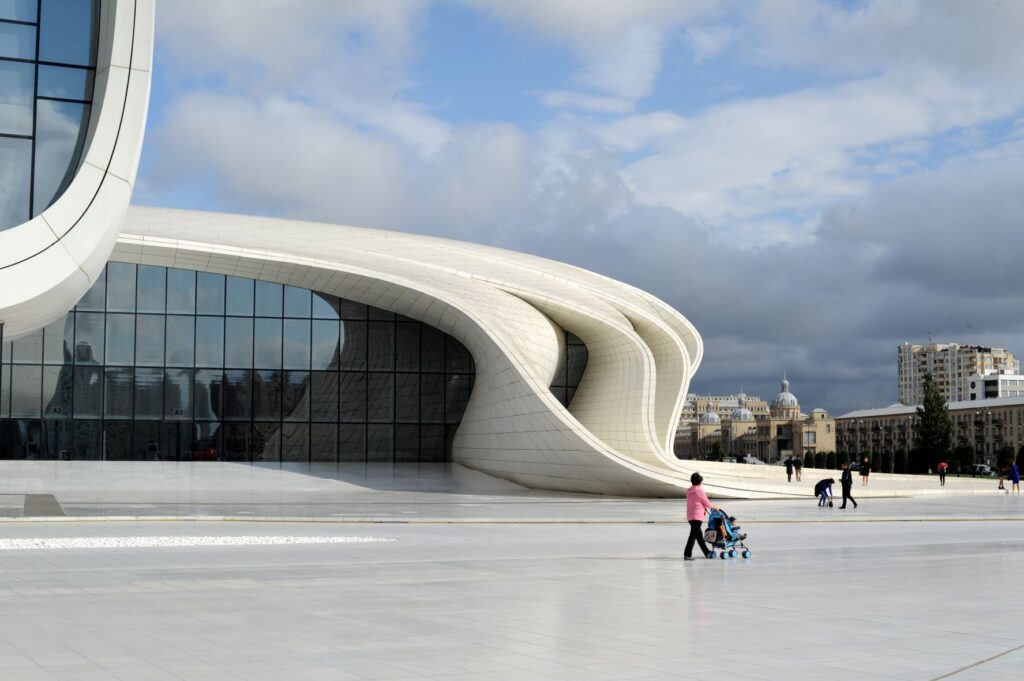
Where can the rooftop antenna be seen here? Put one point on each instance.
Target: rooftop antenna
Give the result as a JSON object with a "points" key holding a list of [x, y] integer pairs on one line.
{"points": [[929, 336]]}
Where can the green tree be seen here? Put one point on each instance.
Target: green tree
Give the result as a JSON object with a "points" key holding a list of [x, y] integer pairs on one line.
{"points": [[934, 430], [819, 460], [809, 461], [886, 462], [1005, 456], [830, 460], [965, 458], [899, 464], [717, 453], [841, 458]]}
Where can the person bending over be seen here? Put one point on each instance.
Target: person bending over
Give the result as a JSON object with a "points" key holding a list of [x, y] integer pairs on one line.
{"points": [[823, 490]]}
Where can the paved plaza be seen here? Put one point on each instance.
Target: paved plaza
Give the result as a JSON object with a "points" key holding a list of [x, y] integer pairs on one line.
{"points": [[898, 589]]}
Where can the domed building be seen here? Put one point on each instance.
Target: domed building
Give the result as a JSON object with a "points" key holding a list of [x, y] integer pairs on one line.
{"points": [[782, 432]]}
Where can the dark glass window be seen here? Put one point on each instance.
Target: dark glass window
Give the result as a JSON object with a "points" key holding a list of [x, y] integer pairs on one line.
{"points": [[14, 175], [17, 41], [18, 10], [57, 153], [572, 363], [141, 358], [65, 83]]}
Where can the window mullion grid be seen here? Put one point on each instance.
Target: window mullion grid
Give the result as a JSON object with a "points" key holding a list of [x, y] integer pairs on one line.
{"points": [[35, 108]]}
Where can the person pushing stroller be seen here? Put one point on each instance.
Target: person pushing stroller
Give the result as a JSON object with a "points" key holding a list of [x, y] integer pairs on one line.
{"points": [[697, 505]]}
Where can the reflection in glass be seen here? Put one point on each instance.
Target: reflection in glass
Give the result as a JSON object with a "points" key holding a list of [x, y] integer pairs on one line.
{"points": [[149, 343], [323, 443], [351, 442], [18, 10], [236, 442], [325, 345], [58, 339], [267, 349], [149, 394], [57, 439], [176, 441], [17, 41], [209, 341], [457, 396], [325, 306], [65, 82], [266, 391], [61, 129], [353, 397], [297, 302], [238, 342], [353, 345], [323, 396], [239, 296], [295, 442], [407, 443], [266, 442], [209, 293], [295, 401], [268, 299], [88, 392], [120, 339], [407, 347], [181, 332], [380, 398], [432, 443], [117, 441], [118, 396], [432, 398], [152, 288], [206, 444], [57, 385], [178, 394], [381, 346], [296, 343], [89, 338], [26, 384], [29, 349], [238, 394], [69, 31], [380, 443], [95, 297], [17, 81], [87, 436], [407, 398], [208, 393], [181, 291], [14, 174], [431, 350], [147, 442], [120, 287]]}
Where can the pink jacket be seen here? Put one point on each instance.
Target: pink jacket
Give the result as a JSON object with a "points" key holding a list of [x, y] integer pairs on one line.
{"points": [[697, 503]]}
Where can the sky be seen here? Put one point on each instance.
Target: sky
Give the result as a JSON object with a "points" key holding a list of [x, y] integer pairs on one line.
{"points": [[811, 183]]}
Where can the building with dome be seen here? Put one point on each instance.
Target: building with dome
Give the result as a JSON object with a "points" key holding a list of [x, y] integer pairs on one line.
{"points": [[778, 431]]}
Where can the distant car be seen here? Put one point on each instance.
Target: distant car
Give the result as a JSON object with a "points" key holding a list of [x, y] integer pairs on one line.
{"points": [[855, 466], [982, 469]]}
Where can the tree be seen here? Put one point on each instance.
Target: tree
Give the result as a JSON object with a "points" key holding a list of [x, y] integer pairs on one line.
{"points": [[841, 458], [966, 457], [900, 462], [934, 430], [717, 453], [1005, 456], [819, 460], [830, 460], [886, 462]]}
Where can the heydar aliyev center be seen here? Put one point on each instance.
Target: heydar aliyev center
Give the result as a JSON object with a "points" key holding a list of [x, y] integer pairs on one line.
{"points": [[165, 335]]}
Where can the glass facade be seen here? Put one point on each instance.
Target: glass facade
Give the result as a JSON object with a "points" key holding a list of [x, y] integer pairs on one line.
{"points": [[569, 372], [47, 68], [170, 365]]}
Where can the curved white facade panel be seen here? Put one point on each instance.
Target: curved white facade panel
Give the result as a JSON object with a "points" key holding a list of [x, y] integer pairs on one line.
{"points": [[507, 308], [48, 263]]}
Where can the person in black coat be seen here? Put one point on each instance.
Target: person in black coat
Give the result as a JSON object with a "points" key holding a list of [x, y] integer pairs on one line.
{"points": [[789, 469], [846, 480]]}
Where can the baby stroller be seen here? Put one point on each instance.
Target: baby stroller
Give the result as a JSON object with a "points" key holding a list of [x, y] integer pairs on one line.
{"points": [[723, 533]]}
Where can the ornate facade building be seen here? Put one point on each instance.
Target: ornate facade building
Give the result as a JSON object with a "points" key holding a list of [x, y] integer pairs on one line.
{"points": [[783, 431]]}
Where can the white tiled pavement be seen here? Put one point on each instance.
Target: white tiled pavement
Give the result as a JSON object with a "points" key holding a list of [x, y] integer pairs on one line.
{"points": [[510, 602]]}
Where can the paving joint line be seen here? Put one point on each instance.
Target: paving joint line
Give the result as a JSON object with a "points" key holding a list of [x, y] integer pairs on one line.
{"points": [[978, 663]]}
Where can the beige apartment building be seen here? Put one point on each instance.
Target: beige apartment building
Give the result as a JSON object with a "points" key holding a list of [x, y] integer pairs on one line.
{"points": [[953, 367], [780, 430], [722, 405], [986, 425]]}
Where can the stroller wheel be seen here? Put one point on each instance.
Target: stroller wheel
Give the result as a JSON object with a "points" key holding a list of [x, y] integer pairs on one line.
{"points": [[711, 554], [725, 554], [746, 554], [732, 553]]}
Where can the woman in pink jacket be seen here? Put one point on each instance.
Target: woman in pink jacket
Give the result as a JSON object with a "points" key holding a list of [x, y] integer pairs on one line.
{"points": [[697, 506]]}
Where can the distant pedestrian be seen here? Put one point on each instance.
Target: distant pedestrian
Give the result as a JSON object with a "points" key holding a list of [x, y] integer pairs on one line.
{"points": [[789, 469], [823, 490], [798, 465], [943, 467], [1015, 477], [1002, 476], [697, 506], [846, 481], [865, 469]]}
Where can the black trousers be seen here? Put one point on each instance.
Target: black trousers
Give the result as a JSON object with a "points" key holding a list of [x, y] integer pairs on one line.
{"points": [[695, 536], [847, 495]]}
